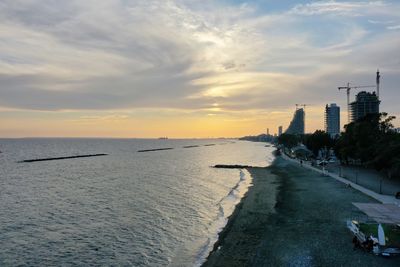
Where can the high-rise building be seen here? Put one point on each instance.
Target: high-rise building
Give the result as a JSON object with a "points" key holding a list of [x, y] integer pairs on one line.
{"points": [[280, 130], [296, 126], [366, 103], [332, 119]]}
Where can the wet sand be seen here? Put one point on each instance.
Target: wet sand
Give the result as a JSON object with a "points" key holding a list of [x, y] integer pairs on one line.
{"points": [[292, 216]]}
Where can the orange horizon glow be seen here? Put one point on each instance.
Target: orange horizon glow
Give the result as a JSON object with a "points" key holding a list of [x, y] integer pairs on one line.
{"points": [[159, 124]]}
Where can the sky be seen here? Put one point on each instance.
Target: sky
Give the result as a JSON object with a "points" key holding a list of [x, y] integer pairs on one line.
{"points": [[188, 68]]}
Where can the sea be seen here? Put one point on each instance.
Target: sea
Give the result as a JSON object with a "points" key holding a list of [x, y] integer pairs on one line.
{"points": [[128, 208]]}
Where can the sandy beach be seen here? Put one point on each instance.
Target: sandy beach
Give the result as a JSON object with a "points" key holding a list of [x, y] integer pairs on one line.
{"points": [[293, 217]]}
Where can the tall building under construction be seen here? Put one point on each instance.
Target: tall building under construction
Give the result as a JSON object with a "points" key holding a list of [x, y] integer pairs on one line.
{"points": [[366, 103], [296, 126]]}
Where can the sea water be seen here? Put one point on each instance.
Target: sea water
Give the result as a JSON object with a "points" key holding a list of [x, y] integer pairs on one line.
{"points": [[127, 209]]}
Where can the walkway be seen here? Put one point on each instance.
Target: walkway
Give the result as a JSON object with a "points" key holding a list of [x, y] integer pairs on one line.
{"points": [[381, 198], [368, 178]]}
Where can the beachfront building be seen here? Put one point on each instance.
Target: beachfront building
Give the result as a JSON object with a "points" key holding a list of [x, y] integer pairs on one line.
{"points": [[332, 120], [366, 103], [296, 126]]}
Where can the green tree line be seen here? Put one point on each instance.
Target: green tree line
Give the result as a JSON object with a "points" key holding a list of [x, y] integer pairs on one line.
{"points": [[370, 141]]}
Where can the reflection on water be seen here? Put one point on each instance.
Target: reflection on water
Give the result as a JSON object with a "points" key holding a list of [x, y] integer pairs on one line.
{"points": [[127, 208]]}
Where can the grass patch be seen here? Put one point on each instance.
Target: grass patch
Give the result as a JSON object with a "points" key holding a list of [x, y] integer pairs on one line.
{"points": [[392, 232]]}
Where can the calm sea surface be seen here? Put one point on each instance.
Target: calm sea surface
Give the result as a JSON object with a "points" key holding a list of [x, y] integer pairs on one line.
{"points": [[126, 209]]}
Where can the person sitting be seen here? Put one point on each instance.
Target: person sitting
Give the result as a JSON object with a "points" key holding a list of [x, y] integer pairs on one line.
{"points": [[370, 245], [356, 243]]}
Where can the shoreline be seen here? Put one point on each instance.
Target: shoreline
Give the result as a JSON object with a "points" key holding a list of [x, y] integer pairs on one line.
{"points": [[292, 216], [238, 219], [232, 218]]}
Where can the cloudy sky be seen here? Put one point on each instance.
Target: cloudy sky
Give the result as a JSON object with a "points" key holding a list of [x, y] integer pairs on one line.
{"points": [[188, 68]]}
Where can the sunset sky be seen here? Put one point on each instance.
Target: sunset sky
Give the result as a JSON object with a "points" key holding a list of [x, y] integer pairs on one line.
{"points": [[188, 68]]}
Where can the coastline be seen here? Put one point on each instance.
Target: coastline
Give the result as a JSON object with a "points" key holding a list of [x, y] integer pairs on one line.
{"points": [[231, 237], [292, 216]]}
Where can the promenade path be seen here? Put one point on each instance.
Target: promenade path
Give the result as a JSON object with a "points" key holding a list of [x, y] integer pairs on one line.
{"points": [[380, 197], [368, 178]]}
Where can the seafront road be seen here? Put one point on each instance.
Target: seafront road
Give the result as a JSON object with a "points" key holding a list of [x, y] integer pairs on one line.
{"points": [[380, 197]]}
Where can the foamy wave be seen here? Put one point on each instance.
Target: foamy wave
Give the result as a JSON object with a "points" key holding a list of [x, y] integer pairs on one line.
{"points": [[242, 176], [226, 206], [203, 253], [221, 211]]}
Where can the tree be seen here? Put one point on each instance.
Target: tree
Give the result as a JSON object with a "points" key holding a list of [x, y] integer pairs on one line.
{"points": [[318, 140], [373, 142], [288, 140]]}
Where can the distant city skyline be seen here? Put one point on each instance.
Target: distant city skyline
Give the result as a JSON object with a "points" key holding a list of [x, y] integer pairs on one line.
{"points": [[227, 68]]}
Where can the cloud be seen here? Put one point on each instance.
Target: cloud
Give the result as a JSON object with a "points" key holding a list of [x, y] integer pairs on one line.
{"points": [[160, 54], [395, 27], [111, 55], [380, 21], [349, 8], [95, 119]]}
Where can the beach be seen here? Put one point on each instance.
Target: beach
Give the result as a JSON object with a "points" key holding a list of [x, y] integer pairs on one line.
{"points": [[292, 216]]}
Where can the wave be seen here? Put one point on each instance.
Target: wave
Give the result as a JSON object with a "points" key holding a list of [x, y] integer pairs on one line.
{"points": [[242, 176], [226, 206]]}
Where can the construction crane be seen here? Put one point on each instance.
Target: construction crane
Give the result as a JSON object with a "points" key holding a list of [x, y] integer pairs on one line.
{"points": [[348, 88], [378, 81], [301, 105]]}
